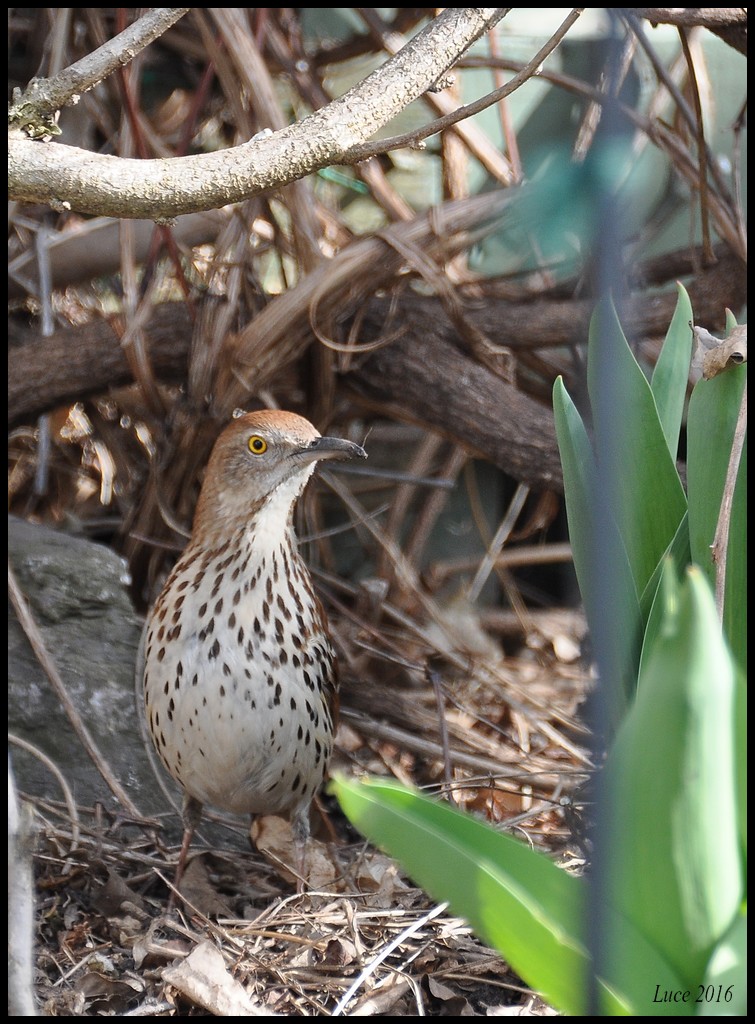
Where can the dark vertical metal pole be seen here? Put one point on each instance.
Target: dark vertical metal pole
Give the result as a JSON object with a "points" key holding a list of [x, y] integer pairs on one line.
{"points": [[607, 624]]}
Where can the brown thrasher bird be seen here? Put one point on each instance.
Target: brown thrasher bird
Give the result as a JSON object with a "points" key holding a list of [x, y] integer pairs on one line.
{"points": [[240, 677]]}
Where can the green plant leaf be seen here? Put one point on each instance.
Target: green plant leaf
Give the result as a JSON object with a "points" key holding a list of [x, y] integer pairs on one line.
{"points": [[711, 419], [671, 373], [653, 601], [731, 322], [514, 897], [645, 493], [674, 858], [723, 991], [579, 469], [735, 594], [740, 741]]}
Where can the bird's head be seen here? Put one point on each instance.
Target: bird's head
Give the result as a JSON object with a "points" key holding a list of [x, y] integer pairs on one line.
{"points": [[263, 460]]}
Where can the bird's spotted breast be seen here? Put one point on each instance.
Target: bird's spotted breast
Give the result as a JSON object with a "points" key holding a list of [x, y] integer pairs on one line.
{"points": [[258, 654]]}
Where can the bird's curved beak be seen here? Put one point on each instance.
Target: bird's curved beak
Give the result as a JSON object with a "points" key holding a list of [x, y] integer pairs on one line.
{"points": [[331, 448]]}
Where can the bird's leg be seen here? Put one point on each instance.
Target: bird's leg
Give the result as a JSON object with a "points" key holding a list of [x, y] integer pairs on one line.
{"points": [[300, 831], [191, 815], [325, 819]]}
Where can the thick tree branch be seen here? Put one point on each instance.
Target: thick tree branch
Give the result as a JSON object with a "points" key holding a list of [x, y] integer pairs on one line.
{"points": [[81, 361], [426, 375], [69, 178], [427, 380], [730, 23], [707, 17]]}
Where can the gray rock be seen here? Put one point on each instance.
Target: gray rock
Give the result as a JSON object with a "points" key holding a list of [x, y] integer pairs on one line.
{"points": [[77, 593]]}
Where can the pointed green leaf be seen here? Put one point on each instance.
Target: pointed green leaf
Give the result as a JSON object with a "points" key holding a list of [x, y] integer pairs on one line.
{"points": [[579, 471], [723, 992], [671, 374], [675, 861], [653, 600], [711, 419], [646, 497]]}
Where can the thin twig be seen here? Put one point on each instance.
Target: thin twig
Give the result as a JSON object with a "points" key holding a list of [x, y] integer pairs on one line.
{"points": [[448, 772], [700, 136], [502, 534], [50, 765], [441, 100], [530, 70], [507, 125], [384, 953], [679, 99], [46, 95]]}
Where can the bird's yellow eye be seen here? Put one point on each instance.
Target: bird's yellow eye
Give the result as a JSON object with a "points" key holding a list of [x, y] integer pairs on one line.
{"points": [[257, 445]]}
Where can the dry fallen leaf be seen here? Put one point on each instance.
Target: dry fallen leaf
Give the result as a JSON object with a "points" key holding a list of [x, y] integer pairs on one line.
{"points": [[107, 990], [197, 888], [204, 979], [454, 1005], [274, 839], [713, 355]]}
